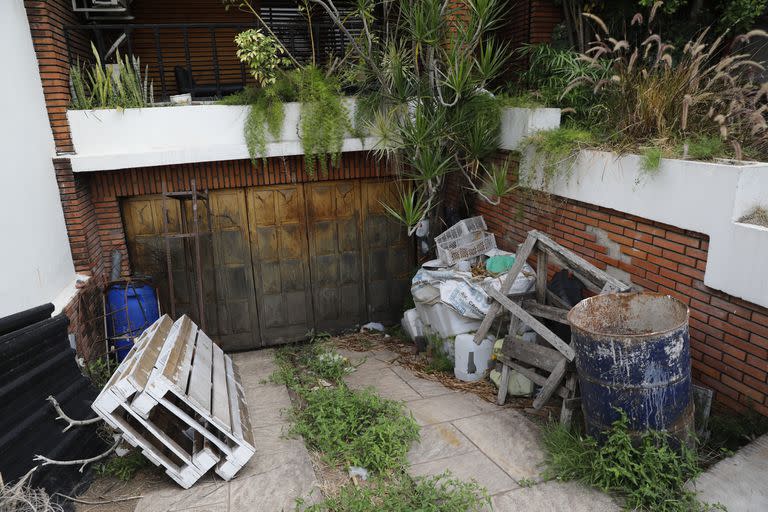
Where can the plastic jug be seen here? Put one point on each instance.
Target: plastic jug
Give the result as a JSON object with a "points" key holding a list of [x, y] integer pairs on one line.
{"points": [[472, 360]]}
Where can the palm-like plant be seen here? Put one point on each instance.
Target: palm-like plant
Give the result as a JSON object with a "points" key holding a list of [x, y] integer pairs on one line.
{"points": [[428, 75]]}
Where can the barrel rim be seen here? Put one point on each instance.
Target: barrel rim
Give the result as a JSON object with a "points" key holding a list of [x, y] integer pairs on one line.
{"points": [[628, 336]]}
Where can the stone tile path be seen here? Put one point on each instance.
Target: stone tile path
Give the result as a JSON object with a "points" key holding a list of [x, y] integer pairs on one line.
{"points": [[738, 482], [498, 447], [279, 472]]}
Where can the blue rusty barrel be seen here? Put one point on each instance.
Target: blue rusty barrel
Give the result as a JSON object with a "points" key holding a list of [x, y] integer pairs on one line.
{"points": [[633, 354]]}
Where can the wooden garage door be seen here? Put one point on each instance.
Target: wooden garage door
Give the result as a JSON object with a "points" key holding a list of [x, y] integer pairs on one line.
{"points": [[282, 260]]}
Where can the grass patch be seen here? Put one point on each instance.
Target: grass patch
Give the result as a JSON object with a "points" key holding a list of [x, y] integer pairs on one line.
{"points": [[650, 159], [356, 428], [439, 359], [706, 148], [526, 99], [302, 366], [758, 216], [732, 431], [648, 473], [403, 494], [122, 468], [557, 149]]}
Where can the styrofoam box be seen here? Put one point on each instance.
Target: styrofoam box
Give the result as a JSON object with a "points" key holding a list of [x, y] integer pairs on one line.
{"points": [[445, 320]]}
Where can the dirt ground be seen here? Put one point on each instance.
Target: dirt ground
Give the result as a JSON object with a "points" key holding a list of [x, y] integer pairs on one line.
{"points": [[103, 492]]}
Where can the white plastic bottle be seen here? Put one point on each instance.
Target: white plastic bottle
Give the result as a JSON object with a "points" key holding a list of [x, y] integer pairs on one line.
{"points": [[472, 360]]}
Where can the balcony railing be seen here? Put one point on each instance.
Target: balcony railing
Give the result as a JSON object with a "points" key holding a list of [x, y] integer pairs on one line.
{"points": [[199, 58]]}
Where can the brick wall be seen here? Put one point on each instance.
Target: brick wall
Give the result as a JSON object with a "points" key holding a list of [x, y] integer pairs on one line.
{"points": [[86, 321], [729, 336]]}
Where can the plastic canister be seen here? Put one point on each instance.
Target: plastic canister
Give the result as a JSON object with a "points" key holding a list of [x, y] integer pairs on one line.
{"points": [[472, 360]]}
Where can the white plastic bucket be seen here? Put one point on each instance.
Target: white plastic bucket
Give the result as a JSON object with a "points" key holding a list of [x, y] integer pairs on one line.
{"points": [[472, 360]]}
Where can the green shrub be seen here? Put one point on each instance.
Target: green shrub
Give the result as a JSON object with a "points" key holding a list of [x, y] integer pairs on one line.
{"points": [[556, 150], [97, 86], [439, 493], [98, 372], [122, 468], [706, 147], [262, 53], [649, 473], [650, 159], [300, 366], [356, 428]]}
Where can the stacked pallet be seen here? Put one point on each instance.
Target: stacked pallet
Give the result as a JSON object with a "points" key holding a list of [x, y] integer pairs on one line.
{"points": [[179, 398]]}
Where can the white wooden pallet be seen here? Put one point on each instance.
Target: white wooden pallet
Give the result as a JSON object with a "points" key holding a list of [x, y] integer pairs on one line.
{"points": [[179, 398]]}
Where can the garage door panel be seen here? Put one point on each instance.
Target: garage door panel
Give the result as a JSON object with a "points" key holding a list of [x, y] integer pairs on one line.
{"points": [[292, 275], [326, 240], [280, 261], [349, 235], [326, 305], [325, 272], [350, 269], [267, 245]]}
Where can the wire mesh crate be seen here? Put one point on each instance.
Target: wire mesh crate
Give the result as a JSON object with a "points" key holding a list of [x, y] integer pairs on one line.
{"points": [[465, 247]]}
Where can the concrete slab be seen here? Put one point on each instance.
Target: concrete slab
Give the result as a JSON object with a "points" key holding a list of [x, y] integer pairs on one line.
{"points": [[555, 497], [438, 442], [511, 440], [468, 466], [425, 388], [172, 498], [738, 482], [439, 409], [386, 382], [276, 489]]}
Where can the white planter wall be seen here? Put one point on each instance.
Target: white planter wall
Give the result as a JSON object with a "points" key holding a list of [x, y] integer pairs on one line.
{"points": [[519, 123], [116, 139], [698, 196]]}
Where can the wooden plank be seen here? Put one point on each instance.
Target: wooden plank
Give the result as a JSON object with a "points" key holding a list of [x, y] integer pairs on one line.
{"points": [[552, 384], [549, 312], [576, 262], [531, 374], [534, 324], [541, 277], [501, 397], [219, 394], [520, 258], [200, 382], [557, 301], [531, 353]]}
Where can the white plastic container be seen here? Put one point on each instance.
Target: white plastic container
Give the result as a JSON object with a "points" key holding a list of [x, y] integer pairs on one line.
{"points": [[472, 360], [518, 384], [446, 321], [412, 324]]}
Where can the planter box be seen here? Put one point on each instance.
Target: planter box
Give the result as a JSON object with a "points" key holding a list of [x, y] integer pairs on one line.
{"points": [[519, 123], [117, 139], [706, 197]]}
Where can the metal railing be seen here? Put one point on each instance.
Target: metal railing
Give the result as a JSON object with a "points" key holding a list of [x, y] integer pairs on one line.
{"points": [[198, 58]]}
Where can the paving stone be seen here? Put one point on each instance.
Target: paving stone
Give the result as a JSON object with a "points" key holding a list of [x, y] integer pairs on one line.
{"points": [[424, 387], [439, 409], [173, 498], [438, 442], [261, 462], [555, 497], [386, 382], [273, 490], [383, 354], [468, 466], [219, 507], [511, 440], [738, 482]]}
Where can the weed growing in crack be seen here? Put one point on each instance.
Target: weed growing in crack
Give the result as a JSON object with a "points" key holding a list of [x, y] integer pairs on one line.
{"points": [[440, 493], [649, 473], [356, 428]]}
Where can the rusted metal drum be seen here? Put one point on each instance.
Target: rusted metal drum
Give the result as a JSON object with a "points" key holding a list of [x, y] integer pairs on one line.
{"points": [[632, 353]]}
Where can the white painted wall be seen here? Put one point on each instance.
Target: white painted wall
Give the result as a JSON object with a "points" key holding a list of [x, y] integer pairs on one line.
{"points": [[35, 260], [519, 123], [118, 139], [698, 196]]}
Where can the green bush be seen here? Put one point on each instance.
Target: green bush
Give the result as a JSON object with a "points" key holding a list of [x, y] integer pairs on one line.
{"points": [[122, 468], [402, 494], [356, 428], [649, 473]]}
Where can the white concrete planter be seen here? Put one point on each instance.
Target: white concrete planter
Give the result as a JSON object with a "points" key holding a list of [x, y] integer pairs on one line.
{"points": [[706, 197], [519, 123], [117, 139]]}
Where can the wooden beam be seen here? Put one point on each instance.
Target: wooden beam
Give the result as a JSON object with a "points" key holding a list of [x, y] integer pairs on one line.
{"points": [[552, 384], [530, 353], [548, 312], [520, 258], [531, 322], [530, 374], [541, 277], [577, 263]]}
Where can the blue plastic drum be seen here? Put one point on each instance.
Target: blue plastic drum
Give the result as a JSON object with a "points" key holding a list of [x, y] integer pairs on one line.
{"points": [[131, 307]]}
